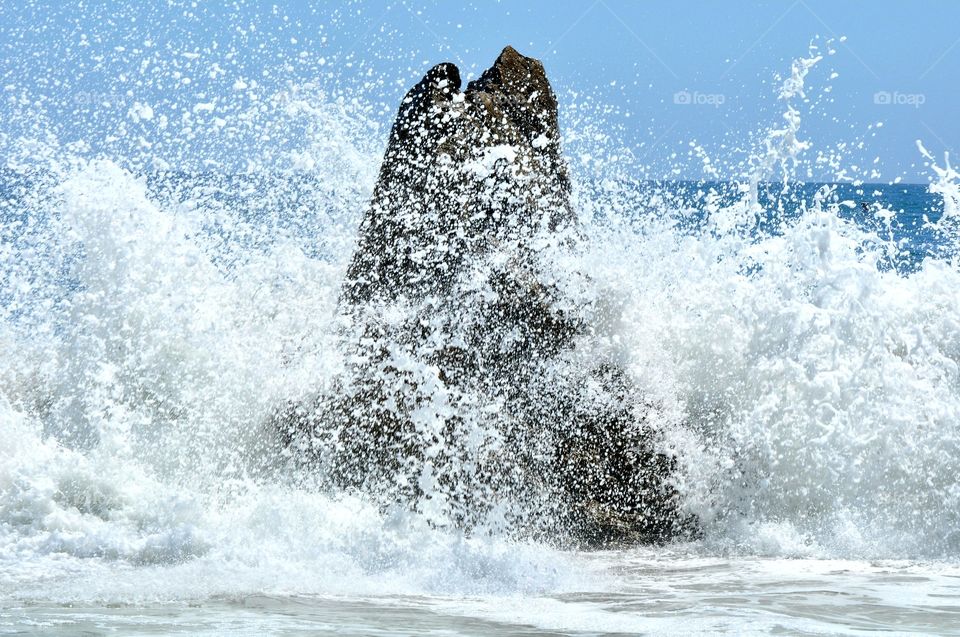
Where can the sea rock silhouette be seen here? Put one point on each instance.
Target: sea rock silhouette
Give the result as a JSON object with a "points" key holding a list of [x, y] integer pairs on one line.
{"points": [[470, 390]]}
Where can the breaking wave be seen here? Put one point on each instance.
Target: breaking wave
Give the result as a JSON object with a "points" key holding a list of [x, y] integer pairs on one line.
{"points": [[155, 315]]}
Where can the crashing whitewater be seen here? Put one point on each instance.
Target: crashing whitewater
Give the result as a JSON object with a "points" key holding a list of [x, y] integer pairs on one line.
{"points": [[152, 323]]}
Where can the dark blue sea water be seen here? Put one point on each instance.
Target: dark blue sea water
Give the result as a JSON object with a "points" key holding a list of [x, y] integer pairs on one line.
{"points": [[898, 213]]}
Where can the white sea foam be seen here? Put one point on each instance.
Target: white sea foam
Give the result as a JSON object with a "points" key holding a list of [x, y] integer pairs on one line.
{"points": [[147, 340]]}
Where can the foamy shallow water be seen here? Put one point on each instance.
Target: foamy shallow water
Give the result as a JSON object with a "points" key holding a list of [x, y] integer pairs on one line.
{"points": [[641, 592]]}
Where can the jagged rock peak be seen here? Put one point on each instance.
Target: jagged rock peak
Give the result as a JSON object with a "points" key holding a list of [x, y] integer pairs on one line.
{"points": [[463, 171], [524, 91]]}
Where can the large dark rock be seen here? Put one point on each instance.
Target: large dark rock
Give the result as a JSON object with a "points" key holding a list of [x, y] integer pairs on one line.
{"points": [[465, 392]]}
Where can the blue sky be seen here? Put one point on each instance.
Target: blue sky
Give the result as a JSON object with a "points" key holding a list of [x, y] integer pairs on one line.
{"points": [[625, 62]]}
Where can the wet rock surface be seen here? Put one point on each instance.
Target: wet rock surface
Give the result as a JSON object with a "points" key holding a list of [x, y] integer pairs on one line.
{"points": [[467, 391]]}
